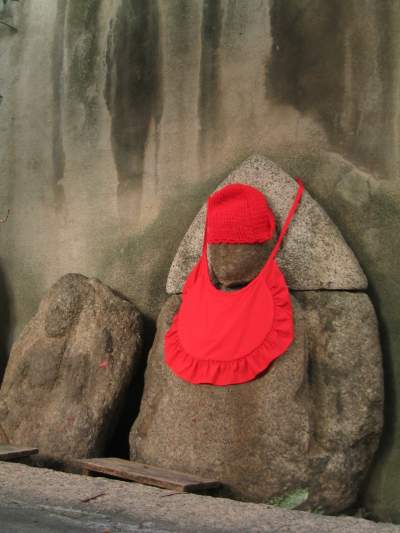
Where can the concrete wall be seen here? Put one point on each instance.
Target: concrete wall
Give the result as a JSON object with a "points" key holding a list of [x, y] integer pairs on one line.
{"points": [[117, 118]]}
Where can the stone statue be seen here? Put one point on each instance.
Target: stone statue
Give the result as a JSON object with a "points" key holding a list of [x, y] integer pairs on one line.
{"points": [[303, 434]]}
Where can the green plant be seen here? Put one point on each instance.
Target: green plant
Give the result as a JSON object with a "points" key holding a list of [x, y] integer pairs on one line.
{"points": [[291, 500]]}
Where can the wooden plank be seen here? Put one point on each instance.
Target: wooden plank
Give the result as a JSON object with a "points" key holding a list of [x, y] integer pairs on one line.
{"points": [[8, 451], [147, 474]]}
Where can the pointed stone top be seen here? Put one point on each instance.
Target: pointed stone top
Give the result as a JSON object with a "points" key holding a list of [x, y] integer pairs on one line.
{"points": [[314, 254]]}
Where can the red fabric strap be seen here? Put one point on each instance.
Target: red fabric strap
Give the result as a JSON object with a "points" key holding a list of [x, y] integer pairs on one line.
{"points": [[288, 218], [204, 249]]}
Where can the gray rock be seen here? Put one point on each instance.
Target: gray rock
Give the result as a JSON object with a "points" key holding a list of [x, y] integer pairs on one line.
{"points": [[301, 435], [234, 265], [346, 386], [70, 368], [3, 437], [314, 254]]}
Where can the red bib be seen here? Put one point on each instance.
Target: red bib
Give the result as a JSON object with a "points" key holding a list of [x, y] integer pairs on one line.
{"points": [[224, 338]]}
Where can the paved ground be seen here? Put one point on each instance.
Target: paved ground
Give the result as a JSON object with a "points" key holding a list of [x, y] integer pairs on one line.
{"points": [[39, 500]]}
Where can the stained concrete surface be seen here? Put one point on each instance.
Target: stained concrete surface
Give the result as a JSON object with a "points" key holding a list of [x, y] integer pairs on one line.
{"points": [[20, 518], [42, 500]]}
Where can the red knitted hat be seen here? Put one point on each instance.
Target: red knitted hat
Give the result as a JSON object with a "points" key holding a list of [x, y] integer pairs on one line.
{"points": [[239, 213]]}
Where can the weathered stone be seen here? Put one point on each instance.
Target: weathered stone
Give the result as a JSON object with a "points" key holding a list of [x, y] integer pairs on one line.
{"points": [[302, 434], [314, 254], [3, 436], [346, 386], [70, 368], [234, 265]]}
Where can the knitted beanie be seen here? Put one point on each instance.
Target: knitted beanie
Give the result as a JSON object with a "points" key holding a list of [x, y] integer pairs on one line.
{"points": [[239, 213]]}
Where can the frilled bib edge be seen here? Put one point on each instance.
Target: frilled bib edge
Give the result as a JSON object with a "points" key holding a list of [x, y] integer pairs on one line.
{"points": [[245, 368]]}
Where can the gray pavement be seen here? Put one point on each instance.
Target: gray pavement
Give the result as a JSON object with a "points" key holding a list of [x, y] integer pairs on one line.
{"points": [[38, 500]]}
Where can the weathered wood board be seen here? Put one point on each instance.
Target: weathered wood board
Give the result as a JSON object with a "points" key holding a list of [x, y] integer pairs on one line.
{"points": [[8, 451], [147, 474]]}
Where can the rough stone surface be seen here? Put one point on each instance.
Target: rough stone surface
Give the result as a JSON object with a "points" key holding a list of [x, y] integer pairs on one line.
{"points": [[67, 373], [346, 392], [314, 254], [301, 435], [234, 265], [3, 437], [63, 502]]}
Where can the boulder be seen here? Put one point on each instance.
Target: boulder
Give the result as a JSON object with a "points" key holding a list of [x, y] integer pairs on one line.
{"points": [[69, 370], [314, 254], [346, 393], [301, 435]]}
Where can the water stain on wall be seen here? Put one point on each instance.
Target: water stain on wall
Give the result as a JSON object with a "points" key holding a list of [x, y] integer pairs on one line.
{"points": [[388, 52], [133, 94], [306, 67], [81, 41], [334, 61], [209, 104], [180, 12], [58, 154]]}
